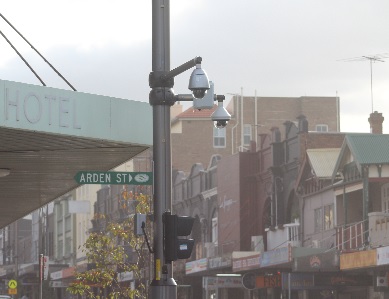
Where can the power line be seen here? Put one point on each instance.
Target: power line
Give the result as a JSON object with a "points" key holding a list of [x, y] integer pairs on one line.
{"points": [[25, 61], [32, 47], [371, 58]]}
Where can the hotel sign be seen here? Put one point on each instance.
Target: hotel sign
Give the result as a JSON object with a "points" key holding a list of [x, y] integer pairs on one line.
{"points": [[56, 111]]}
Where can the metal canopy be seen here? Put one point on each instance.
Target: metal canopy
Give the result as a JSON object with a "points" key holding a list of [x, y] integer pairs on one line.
{"points": [[43, 163]]}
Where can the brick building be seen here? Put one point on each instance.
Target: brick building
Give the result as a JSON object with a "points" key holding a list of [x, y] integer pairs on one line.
{"points": [[195, 140], [254, 191]]}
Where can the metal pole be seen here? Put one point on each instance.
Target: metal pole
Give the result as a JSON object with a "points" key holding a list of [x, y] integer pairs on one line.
{"points": [[40, 276], [163, 285]]}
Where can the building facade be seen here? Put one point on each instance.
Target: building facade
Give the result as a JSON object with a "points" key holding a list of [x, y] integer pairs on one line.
{"points": [[195, 139]]}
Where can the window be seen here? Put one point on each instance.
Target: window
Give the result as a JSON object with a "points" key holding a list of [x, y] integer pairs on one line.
{"points": [[321, 128], [219, 137], [60, 226], [385, 198], [214, 230], [246, 134], [318, 219], [60, 249], [329, 216], [68, 223], [68, 247]]}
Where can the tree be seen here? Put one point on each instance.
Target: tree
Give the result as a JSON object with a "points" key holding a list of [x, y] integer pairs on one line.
{"points": [[110, 248]]}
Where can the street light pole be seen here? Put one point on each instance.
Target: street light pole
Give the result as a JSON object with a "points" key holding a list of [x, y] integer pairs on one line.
{"points": [[163, 285], [162, 97]]}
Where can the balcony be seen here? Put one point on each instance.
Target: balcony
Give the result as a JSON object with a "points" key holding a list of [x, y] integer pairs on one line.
{"points": [[354, 237], [283, 236], [350, 236]]}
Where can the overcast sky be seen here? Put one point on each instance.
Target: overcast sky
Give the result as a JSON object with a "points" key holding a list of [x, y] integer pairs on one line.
{"points": [[267, 47]]}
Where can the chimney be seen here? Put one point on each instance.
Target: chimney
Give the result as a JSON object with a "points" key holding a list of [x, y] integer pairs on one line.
{"points": [[303, 124], [275, 134], [376, 119]]}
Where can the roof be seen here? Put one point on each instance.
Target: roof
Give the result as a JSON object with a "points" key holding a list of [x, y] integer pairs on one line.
{"points": [[365, 148], [369, 148], [48, 135], [323, 161], [196, 113]]}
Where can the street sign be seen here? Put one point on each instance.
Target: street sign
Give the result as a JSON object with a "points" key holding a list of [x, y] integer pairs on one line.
{"points": [[12, 284], [114, 178], [12, 291]]}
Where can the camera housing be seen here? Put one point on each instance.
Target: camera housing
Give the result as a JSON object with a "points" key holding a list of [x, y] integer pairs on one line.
{"points": [[221, 116], [220, 123], [198, 82]]}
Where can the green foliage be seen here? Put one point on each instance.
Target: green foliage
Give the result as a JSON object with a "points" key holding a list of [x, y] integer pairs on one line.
{"points": [[108, 249]]}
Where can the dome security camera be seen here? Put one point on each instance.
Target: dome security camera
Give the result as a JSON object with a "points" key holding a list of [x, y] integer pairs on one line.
{"points": [[198, 82], [221, 116]]}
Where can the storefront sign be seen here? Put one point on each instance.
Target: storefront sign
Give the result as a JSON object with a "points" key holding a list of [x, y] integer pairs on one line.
{"points": [[297, 281], [27, 268], [58, 284], [219, 262], [196, 266], [212, 283], [268, 281], [328, 261], [359, 259], [382, 256], [30, 280], [56, 275], [246, 263], [343, 280], [276, 256]]}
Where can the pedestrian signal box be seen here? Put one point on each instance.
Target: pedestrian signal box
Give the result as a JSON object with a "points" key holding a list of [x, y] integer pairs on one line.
{"points": [[176, 230]]}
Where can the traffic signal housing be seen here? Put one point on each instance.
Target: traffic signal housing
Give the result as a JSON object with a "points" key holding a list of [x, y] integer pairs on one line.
{"points": [[176, 228]]}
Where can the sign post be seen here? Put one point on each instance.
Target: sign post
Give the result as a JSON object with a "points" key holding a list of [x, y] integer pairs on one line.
{"points": [[12, 287]]}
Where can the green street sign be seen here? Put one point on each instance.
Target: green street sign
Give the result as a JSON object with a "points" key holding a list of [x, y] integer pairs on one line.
{"points": [[114, 178]]}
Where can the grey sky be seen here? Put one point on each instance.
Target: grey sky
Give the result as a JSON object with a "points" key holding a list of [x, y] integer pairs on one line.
{"points": [[271, 47]]}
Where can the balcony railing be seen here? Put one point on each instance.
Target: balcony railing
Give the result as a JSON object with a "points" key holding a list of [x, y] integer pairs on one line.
{"points": [[350, 236], [282, 236]]}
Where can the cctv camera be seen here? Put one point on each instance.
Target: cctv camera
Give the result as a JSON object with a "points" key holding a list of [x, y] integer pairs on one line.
{"points": [[199, 93], [221, 116], [220, 124], [198, 82]]}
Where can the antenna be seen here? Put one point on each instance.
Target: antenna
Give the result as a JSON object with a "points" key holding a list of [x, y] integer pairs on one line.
{"points": [[371, 58]]}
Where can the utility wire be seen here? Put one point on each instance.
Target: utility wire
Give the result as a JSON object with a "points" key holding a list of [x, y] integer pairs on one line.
{"points": [[25, 61], [32, 47]]}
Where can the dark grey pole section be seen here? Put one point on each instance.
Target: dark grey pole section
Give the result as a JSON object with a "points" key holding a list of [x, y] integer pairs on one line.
{"points": [[161, 98]]}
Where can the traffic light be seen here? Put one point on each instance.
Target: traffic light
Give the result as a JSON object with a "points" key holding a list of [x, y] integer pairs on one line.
{"points": [[174, 228]]}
